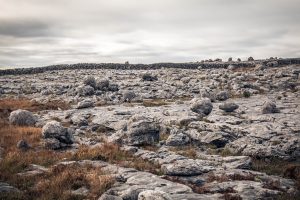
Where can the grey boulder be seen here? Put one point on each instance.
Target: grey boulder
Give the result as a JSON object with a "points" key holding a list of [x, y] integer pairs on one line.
{"points": [[85, 90], [202, 107], [22, 118], [228, 107], [90, 80], [143, 132], [55, 130]]}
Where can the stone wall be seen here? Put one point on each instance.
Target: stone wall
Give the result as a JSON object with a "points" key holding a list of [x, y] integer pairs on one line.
{"points": [[204, 65]]}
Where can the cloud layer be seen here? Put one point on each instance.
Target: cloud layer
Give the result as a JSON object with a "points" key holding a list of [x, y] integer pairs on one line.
{"points": [[40, 32]]}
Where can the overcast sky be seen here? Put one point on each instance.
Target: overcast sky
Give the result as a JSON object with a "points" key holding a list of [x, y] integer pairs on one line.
{"points": [[44, 32]]}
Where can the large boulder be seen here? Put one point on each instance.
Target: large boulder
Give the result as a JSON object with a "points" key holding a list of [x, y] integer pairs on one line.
{"points": [[143, 132], [54, 130], [228, 107], [90, 80], [250, 59], [22, 118], [202, 107], [269, 107], [103, 84], [85, 90]]}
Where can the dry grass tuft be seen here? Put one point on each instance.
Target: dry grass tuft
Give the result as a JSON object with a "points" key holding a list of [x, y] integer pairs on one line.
{"points": [[7, 105], [272, 166], [58, 183], [112, 153], [62, 179], [154, 102], [187, 151], [163, 136]]}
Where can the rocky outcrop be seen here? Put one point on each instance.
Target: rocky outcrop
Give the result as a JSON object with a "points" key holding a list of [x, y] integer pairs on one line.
{"points": [[143, 132], [56, 136]]}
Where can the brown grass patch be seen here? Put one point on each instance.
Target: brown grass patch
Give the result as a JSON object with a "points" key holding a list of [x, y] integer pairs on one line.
{"points": [[9, 104], [187, 151], [272, 166], [62, 179], [112, 153], [163, 136]]}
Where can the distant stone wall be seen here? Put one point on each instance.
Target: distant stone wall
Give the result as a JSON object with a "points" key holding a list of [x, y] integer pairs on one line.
{"points": [[205, 65]]}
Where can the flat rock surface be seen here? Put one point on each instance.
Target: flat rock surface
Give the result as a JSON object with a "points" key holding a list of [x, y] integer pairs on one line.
{"points": [[212, 151]]}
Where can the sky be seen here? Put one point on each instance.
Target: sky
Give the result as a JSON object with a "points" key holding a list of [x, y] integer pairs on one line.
{"points": [[44, 32]]}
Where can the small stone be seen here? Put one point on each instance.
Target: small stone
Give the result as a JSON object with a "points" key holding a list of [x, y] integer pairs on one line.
{"points": [[153, 195], [149, 77], [269, 107], [231, 67], [222, 96], [87, 103], [228, 107], [23, 145], [128, 96]]}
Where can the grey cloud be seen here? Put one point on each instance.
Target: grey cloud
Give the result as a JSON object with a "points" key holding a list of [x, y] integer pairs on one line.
{"points": [[24, 28], [40, 32]]}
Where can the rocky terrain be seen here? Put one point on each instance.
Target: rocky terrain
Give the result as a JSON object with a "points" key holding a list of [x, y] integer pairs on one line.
{"points": [[211, 130]]}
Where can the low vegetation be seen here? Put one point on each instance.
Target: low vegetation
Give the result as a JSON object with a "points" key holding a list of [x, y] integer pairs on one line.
{"points": [[154, 102], [112, 153], [8, 105], [187, 151], [60, 180]]}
